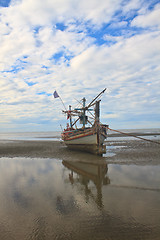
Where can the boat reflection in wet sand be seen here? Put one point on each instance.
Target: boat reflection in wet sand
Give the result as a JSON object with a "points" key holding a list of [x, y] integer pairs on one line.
{"points": [[85, 173], [90, 137]]}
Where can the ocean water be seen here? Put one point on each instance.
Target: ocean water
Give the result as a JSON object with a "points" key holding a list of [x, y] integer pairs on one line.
{"points": [[56, 199], [35, 136]]}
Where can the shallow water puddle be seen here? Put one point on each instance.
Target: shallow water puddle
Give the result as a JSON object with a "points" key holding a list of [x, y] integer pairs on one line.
{"points": [[53, 199]]}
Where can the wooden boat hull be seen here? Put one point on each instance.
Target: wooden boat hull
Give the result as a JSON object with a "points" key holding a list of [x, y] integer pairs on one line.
{"points": [[85, 139], [89, 141]]}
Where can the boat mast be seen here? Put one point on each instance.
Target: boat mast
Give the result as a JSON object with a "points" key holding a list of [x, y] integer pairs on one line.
{"points": [[97, 112], [84, 112], [70, 117]]}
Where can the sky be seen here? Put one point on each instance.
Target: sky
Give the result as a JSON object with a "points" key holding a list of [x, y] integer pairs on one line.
{"points": [[78, 48]]}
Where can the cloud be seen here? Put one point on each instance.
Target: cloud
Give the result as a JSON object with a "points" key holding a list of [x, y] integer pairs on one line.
{"points": [[148, 19], [130, 6], [78, 48], [52, 11]]}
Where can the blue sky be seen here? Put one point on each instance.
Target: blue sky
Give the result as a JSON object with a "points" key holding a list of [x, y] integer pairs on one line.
{"points": [[78, 48]]}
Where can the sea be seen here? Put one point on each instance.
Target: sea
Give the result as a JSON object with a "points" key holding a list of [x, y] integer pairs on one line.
{"points": [[51, 198]]}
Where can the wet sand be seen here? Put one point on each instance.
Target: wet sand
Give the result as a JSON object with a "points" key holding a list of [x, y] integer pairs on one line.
{"points": [[50, 192], [128, 151]]}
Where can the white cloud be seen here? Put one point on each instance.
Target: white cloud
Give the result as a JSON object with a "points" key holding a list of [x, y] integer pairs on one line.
{"points": [[30, 39], [131, 5], [110, 115], [118, 24], [112, 38], [148, 19], [41, 13]]}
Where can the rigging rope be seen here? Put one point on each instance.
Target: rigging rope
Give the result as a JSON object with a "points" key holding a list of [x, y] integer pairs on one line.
{"points": [[133, 136]]}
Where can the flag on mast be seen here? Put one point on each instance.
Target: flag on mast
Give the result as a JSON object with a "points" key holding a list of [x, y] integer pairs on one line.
{"points": [[55, 94]]}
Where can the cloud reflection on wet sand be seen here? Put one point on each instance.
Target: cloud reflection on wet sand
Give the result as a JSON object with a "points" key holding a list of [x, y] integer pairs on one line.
{"points": [[51, 199]]}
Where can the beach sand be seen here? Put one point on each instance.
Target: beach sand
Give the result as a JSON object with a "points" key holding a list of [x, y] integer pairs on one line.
{"points": [[50, 192], [127, 151]]}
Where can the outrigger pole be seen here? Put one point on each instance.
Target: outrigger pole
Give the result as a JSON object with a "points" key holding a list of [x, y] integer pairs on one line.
{"points": [[96, 98]]}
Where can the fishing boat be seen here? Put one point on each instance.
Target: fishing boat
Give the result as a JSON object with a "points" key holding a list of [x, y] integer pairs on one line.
{"points": [[90, 137]]}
